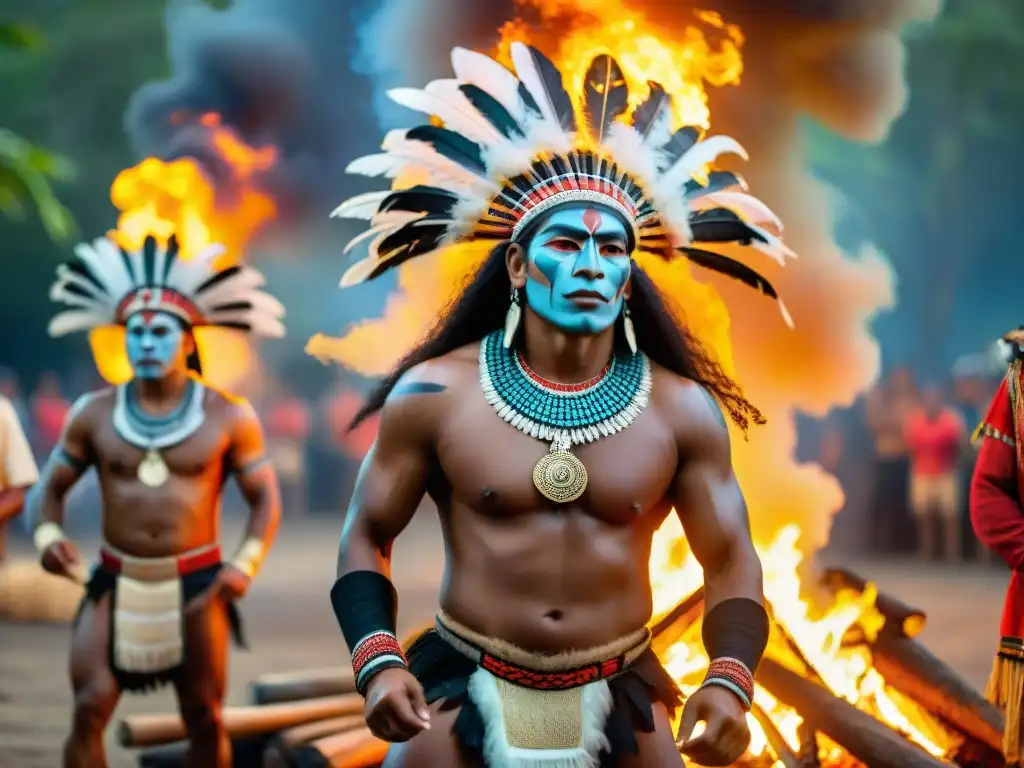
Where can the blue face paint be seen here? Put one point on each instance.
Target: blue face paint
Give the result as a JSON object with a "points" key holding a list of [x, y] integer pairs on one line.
{"points": [[154, 344], [578, 267]]}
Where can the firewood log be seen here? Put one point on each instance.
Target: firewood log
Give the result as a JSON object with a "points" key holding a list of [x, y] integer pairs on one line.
{"points": [[298, 686], [809, 748], [865, 738], [245, 753], [153, 730], [914, 671], [670, 627], [776, 742], [905, 619], [280, 752], [356, 748]]}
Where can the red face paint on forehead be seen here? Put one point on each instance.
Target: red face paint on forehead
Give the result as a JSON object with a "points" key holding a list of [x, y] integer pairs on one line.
{"points": [[592, 220]]}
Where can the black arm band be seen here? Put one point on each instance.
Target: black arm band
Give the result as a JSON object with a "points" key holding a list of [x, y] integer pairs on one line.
{"points": [[366, 606], [736, 628]]}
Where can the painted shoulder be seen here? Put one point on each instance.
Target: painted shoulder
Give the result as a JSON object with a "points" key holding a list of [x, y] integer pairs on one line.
{"points": [[444, 375]]}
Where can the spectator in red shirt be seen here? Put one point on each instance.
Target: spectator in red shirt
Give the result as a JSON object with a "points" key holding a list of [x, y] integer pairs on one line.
{"points": [[935, 436]]}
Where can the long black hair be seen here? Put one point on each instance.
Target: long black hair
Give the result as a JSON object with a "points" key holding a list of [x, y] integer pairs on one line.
{"points": [[481, 307]]}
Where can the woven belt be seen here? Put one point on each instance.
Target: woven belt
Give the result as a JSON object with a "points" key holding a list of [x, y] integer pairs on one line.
{"points": [[159, 568], [537, 679]]}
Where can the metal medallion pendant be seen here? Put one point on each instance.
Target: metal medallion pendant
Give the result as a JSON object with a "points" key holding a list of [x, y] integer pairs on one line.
{"points": [[560, 476], [565, 414], [153, 472]]}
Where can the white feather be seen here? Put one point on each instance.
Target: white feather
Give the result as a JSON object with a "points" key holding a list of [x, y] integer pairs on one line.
{"points": [[747, 207], [109, 253], [449, 109], [110, 272], [72, 320], [361, 206], [65, 276], [385, 228], [186, 275], [490, 76], [699, 155], [60, 293], [448, 91], [396, 218], [526, 69], [639, 159], [403, 154], [239, 287]]}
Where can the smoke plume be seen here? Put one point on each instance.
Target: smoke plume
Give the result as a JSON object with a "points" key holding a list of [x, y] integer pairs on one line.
{"points": [[839, 62], [279, 74]]}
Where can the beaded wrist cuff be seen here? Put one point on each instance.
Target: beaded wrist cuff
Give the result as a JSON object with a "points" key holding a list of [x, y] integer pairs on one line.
{"points": [[374, 653], [734, 675]]}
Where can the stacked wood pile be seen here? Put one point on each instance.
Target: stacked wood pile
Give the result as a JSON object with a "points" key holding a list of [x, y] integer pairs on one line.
{"points": [[314, 718]]}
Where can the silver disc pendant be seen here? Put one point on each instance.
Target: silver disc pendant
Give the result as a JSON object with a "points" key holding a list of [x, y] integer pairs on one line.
{"points": [[153, 472]]}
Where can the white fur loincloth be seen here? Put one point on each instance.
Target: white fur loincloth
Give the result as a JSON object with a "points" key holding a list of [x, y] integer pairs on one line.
{"points": [[541, 727], [528, 728], [148, 625]]}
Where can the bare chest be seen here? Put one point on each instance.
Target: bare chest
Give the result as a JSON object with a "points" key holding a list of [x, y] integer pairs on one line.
{"points": [[200, 454], [489, 466]]}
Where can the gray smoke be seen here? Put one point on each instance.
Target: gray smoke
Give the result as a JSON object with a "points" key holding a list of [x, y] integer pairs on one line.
{"points": [[279, 73]]}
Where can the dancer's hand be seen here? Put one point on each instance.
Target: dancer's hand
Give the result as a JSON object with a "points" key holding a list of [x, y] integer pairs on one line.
{"points": [[228, 585], [61, 559], [726, 735], [396, 709]]}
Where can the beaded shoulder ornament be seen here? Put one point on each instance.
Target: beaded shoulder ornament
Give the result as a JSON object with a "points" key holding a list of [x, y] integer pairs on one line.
{"points": [[565, 414]]}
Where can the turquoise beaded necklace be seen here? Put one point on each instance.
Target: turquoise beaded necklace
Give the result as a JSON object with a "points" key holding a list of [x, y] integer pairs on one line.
{"points": [[567, 417]]}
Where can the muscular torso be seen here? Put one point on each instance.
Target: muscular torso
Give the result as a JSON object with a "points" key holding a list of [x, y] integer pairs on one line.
{"points": [[180, 515], [542, 576]]}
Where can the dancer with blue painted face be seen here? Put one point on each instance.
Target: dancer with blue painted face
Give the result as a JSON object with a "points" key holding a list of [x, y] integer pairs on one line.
{"points": [[160, 603], [556, 414]]}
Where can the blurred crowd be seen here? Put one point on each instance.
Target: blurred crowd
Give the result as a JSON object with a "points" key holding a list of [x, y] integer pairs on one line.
{"points": [[904, 456], [902, 453]]}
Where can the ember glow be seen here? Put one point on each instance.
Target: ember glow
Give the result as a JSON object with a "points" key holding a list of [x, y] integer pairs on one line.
{"points": [[784, 497], [161, 198]]}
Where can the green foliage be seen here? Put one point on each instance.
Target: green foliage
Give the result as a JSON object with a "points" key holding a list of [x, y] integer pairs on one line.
{"points": [[27, 170], [67, 72]]}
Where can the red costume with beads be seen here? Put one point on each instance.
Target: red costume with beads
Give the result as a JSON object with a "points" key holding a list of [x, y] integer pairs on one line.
{"points": [[997, 489]]}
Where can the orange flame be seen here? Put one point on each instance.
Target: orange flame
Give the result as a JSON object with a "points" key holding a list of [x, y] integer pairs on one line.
{"points": [[788, 502], [162, 198]]}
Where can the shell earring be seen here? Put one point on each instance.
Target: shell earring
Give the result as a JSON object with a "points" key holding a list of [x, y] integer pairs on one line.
{"points": [[629, 330], [512, 318]]}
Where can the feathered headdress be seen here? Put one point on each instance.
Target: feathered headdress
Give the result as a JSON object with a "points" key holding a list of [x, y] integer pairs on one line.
{"points": [[510, 147], [105, 284]]}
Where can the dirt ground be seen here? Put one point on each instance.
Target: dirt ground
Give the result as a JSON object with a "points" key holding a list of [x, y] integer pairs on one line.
{"points": [[290, 627]]}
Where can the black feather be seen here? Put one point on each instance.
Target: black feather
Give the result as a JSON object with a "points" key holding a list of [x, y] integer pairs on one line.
{"points": [[417, 240], [233, 306], [452, 145], [172, 254], [80, 268], [551, 80], [605, 95], [724, 265], [720, 225], [682, 141], [717, 181], [492, 109], [218, 278], [149, 261], [528, 102], [645, 116], [420, 198]]}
